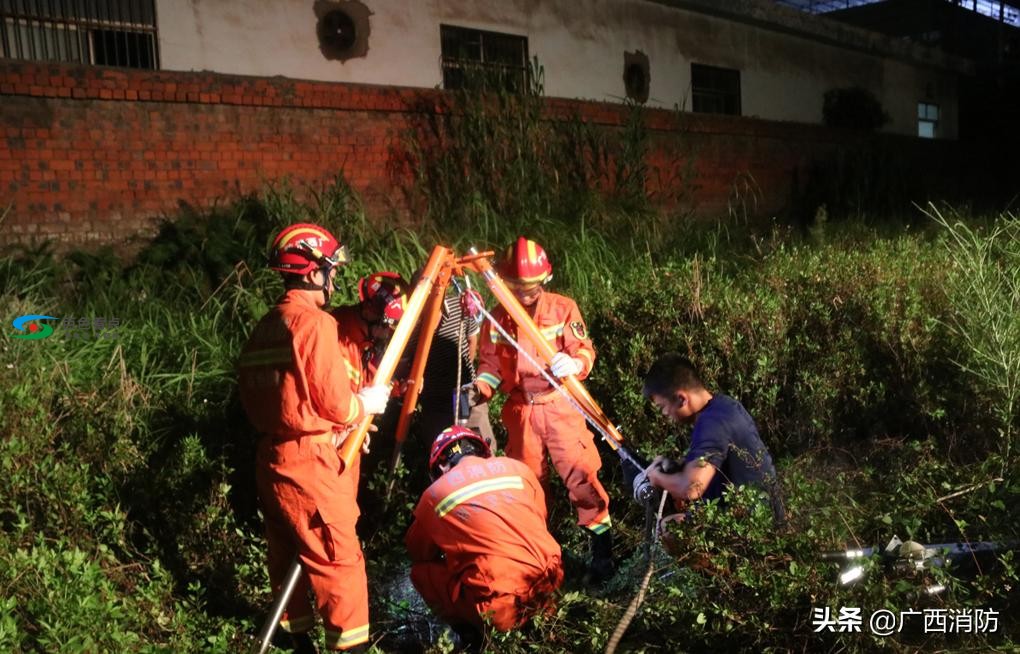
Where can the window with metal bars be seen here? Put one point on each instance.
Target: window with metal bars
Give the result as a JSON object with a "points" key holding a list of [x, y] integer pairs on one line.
{"points": [[477, 57], [715, 90], [99, 32], [927, 120]]}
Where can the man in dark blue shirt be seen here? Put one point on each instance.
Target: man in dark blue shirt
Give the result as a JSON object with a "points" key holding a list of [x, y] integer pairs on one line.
{"points": [[725, 446]]}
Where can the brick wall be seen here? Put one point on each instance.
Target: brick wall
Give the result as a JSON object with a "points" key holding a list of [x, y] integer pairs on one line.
{"points": [[91, 155]]}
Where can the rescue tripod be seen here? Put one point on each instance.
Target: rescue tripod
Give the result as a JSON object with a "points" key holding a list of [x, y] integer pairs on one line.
{"points": [[426, 304]]}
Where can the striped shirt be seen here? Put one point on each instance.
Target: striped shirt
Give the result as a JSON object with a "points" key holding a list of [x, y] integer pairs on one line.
{"points": [[441, 368]]}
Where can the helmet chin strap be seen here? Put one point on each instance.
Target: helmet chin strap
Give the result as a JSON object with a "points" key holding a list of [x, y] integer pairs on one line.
{"points": [[326, 287]]}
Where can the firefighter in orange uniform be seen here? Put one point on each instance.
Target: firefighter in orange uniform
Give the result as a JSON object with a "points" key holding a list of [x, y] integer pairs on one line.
{"points": [[541, 422], [296, 393], [480, 550], [367, 327]]}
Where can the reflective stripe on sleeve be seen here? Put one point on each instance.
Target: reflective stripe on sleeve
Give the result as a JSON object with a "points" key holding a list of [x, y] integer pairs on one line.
{"points": [[589, 358], [353, 373], [490, 379], [352, 411]]}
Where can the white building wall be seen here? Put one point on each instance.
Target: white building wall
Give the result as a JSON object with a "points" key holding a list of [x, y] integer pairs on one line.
{"points": [[579, 43]]}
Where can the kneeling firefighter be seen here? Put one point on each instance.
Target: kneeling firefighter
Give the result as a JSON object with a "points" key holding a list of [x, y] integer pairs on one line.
{"points": [[479, 546]]}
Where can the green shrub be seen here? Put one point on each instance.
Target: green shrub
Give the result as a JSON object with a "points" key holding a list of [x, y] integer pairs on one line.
{"points": [[128, 518]]}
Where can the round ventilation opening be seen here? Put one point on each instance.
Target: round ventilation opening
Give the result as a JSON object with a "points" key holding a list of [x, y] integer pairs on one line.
{"points": [[337, 31]]}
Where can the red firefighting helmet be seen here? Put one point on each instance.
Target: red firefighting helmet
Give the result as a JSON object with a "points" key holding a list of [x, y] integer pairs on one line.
{"points": [[525, 263], [302, 248], [448, 443], [387, 293]]}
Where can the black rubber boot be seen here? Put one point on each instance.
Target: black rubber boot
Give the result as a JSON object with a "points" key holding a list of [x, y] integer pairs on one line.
{"points": [[303, 644], [469, 638], [602, 566]]}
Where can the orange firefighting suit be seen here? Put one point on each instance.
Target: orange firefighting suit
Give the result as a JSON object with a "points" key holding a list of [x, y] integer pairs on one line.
{"points": [[479, 546], [356, 344], [539, 420], [298, 394]]}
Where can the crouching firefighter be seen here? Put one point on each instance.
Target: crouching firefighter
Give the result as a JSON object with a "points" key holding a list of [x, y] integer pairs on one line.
{"points": [[296, 392], [480, 550]]}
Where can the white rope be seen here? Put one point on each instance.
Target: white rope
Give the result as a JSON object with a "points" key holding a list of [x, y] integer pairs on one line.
{"points": [[541, 369]]}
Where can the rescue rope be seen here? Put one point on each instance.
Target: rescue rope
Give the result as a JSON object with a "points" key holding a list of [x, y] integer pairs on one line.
{"points": [[461, 334], [628, 615], [461, 328]]}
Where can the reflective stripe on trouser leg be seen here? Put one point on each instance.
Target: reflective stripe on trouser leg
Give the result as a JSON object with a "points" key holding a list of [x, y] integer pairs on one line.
{"points": [[574, 455], [346, 639]]}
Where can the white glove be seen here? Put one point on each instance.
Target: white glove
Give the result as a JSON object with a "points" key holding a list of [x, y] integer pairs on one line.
{"points": [[374, 399], [564, 365]]}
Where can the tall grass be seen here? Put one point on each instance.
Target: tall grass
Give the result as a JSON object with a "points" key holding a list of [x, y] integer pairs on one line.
{"points": [[984, 284], [495, 165], [128, 517]]}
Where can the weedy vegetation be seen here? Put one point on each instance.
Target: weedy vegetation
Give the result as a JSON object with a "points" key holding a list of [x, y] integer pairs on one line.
{"points": [[882, 363]]}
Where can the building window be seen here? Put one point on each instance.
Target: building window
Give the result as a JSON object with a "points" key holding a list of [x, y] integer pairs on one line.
{"points": [[715, 90], [471, 56], [99, 32], [927, 120]]}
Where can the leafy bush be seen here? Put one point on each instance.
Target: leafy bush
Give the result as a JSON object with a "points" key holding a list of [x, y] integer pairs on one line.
{"points": [[128, 519], [822, 343]]}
